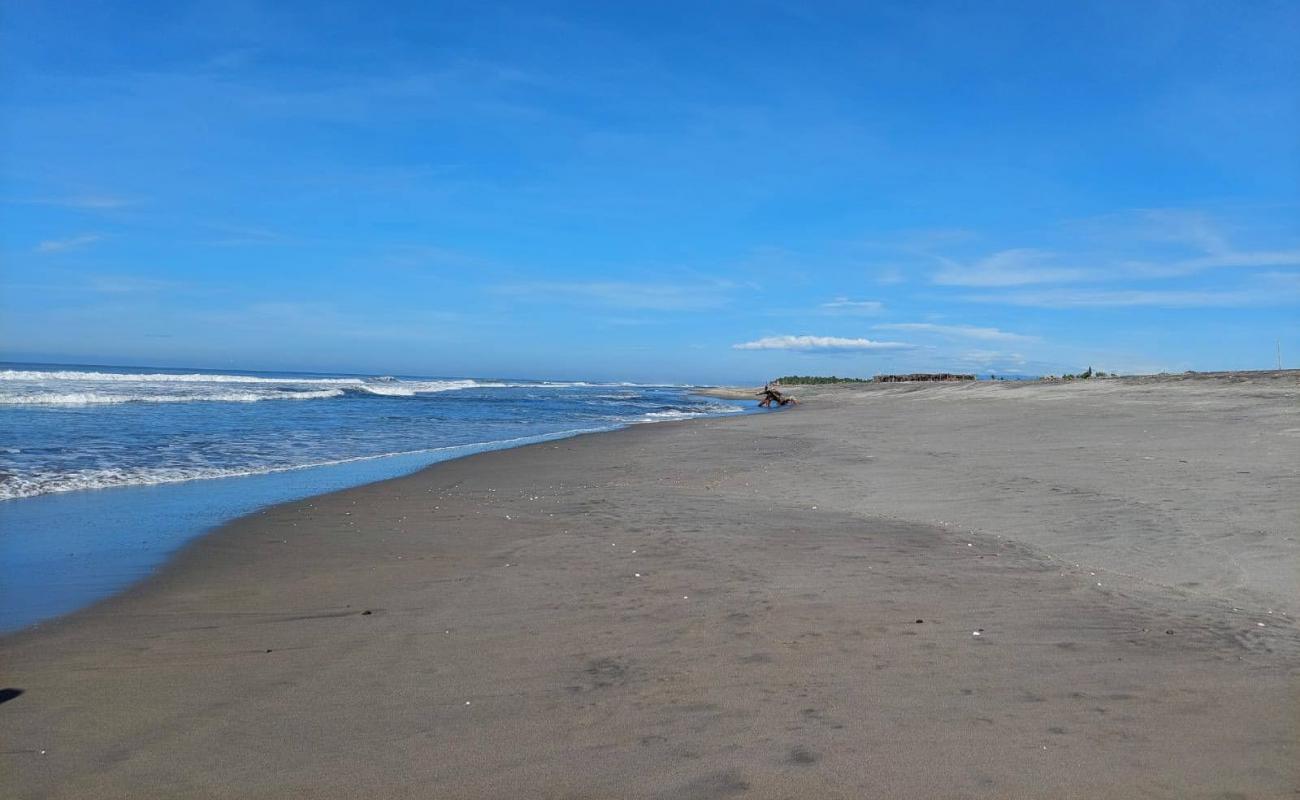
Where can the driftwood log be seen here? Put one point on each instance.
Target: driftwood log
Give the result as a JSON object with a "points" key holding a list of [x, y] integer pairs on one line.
{"points": [[769, 396]]}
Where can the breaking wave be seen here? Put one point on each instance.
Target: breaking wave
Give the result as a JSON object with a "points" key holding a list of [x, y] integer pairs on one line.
{"points": [[79, 388], [162, 377], [674, 414], [75, 429], [100, 398]]}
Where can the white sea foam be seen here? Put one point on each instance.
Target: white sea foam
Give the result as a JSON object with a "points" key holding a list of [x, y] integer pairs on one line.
{"points": [[101, 398], [397, 388], [669, 415], [163, 377], [74, 387], [205, 377], [13, 487]]}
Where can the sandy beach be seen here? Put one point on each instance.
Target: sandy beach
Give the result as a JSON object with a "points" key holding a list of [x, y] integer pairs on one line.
{"points": [[963, 590]]}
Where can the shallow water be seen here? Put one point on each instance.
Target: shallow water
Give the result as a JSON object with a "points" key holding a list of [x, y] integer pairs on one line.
{"points": [[108, 471]]}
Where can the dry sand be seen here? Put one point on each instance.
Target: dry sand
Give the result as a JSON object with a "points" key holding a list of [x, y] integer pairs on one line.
{"points": [[727, 608]]}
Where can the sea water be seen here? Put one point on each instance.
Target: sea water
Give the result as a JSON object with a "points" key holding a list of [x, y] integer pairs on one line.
{"points": [[105, 471]]}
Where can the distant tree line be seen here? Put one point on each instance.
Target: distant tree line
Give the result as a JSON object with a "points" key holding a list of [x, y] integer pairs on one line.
{"points": [[813, 380], [913, 377]]}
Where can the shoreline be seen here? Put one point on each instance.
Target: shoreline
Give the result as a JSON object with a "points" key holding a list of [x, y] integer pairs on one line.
{"points": [[80, 558], [232, 525], [253, 494], [763, 638]]}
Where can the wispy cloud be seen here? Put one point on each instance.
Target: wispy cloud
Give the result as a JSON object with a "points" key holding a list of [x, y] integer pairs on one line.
{"points": [[1194, 230], [1163, 298], [1187, 227], [819, 344], [843, 305], [1226, 259], [1134, 245], [73, 243], [957, 331], [626, 295], [422, 256], [992, 358], [1107, 251], [128, 284], [1015, 267], [241, 236]]}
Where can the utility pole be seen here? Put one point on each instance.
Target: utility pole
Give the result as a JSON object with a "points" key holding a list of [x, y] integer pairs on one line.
{"points": [[1279, 355]]}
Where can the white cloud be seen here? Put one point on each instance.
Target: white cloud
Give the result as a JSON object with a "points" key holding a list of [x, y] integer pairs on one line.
{"points": [[843, 305], [818, 343], [73, 243], [960, 331]]}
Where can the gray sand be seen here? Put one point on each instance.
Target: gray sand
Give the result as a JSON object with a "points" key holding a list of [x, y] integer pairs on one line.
{"points": [[770, 646], [1189, 482]]}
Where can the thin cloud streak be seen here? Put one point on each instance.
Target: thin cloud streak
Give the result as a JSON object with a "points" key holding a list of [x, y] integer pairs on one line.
{"points": [[1203, 244], [990, 358], [1121, 298], [843, 305], [1015, 267], [129, 284], [959, 331], [73, 243], [1222, 260]]}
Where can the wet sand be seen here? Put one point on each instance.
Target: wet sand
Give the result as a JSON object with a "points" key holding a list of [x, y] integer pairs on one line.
{"points": [[781, 605]]}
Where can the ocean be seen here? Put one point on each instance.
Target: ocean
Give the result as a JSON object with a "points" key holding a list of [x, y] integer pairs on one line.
{"points": [[105, 471]]}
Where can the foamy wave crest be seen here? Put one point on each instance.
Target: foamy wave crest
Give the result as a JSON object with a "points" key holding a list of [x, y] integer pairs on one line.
{"points": [[163, 377], [14, 487], [100, 398], [395, 388], [92, 387], [673, 414], [80, 388]]}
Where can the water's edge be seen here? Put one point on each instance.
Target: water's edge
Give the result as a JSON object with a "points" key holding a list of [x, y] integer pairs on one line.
{"points": [[111, 540]]}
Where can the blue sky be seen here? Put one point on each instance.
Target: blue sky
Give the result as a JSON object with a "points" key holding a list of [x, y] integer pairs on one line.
{"points": [[654, 192]]}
